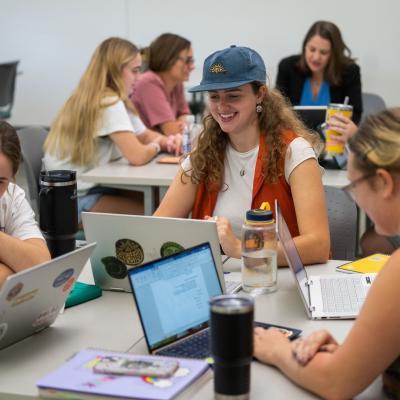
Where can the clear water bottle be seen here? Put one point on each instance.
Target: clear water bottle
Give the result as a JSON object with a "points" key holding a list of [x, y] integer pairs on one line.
{"points": [[186, 137], [259, 252]]}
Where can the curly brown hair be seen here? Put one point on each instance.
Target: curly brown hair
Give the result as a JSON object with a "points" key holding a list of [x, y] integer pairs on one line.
{"points": [[207, 159]]}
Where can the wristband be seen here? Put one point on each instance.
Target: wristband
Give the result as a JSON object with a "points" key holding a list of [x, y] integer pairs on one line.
{"points": [[156, 146]]}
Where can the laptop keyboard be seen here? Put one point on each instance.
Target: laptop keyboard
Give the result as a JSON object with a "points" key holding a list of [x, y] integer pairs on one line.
{"points": [[195, 346], [343, 294]]}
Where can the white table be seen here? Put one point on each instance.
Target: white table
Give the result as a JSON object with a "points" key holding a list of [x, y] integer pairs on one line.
{"points": [[153, 176], [111, 322]]}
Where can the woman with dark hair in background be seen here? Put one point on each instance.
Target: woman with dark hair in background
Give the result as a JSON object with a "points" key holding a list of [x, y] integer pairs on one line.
{"points": [[159, 96], [21, 242], [323, 73]]}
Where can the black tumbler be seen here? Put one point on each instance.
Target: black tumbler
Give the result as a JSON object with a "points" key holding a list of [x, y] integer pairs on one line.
{"points": [[231, 324], [58, 210]]}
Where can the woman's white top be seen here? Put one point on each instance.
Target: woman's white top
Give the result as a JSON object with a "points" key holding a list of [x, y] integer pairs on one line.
{"points": [[115, 118], [236, 195], [17, 218]]}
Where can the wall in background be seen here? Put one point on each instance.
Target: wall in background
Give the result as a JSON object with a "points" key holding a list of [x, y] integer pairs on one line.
{"points": [[54, 39]]}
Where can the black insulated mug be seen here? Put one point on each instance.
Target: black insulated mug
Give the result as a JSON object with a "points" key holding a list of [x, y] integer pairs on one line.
{"points": [[231, 325], [58, 210]]}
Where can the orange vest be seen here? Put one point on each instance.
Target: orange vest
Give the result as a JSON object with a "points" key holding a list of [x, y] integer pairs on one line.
{"points": [[206, 199]]}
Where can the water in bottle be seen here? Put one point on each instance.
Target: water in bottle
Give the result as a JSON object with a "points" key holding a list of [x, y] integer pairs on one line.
{"points": [[259, 252]]}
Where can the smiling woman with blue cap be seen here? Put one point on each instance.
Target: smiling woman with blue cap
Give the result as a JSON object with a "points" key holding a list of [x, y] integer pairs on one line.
{"points": [[252, 150]]}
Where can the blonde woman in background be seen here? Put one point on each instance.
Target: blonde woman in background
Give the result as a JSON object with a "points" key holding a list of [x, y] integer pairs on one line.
{"points": [[98, 123], [319, 363]]}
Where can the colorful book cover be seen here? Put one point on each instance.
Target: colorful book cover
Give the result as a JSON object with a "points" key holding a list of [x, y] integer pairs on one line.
{"points": [[366, 265], [76, 376]]}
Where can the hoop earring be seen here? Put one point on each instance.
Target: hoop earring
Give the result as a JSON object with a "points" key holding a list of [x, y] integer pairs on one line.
{"points": [[259, 108]]}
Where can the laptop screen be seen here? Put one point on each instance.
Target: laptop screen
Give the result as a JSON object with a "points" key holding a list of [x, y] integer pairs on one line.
{"points": [[312, 116], [172, 294], [291, 254]]}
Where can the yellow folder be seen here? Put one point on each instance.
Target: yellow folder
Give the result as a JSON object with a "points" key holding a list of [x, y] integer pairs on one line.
{"points": [[366, 265]]}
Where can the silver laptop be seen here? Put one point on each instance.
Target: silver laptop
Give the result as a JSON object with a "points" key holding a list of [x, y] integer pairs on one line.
{"points": [[31, 300], [326, 296], [126, 241]]}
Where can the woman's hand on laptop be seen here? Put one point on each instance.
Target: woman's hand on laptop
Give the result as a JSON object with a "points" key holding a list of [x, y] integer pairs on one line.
{"points": [[270, 345], [229, 243], [345, 126], [304, 350]]}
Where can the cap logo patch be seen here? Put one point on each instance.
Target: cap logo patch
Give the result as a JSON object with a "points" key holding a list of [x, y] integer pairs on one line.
{"points": [[217, 68]]}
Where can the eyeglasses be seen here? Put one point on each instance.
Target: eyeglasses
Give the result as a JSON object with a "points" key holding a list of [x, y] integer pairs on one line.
{"points": [[187, 60], [348, 189]]}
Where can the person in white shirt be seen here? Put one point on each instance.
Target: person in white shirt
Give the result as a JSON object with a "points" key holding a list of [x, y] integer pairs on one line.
{"points": [[21, 242], [98, 123], [252, 150]]}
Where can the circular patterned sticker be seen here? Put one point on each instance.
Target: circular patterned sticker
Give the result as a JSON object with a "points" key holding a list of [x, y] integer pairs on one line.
{"points": [[169, 248], [114, 267], [63, 277], [14, 291], [129, 252]]}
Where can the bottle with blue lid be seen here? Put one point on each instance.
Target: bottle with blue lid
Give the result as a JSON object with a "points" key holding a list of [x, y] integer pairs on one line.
{"points": [[259, 252]]}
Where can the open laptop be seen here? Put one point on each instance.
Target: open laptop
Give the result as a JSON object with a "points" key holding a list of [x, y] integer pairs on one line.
{"points": [[126, 241], [172, 298], [31, 300], [324, 296], [312, 116]]}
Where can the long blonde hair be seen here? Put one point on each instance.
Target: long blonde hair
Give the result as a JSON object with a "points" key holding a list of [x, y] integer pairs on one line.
{"points": [[72, 135], [207, 159]]}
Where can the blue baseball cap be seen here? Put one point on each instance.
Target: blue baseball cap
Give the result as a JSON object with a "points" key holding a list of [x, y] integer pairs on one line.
{"points": [[231, 68]]}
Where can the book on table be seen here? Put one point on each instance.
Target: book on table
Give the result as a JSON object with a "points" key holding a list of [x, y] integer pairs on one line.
{"points": [[76, 379], [366, 265]]}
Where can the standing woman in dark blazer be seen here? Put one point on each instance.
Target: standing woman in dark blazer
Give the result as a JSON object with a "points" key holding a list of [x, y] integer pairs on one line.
{"points": [[323, 73]]}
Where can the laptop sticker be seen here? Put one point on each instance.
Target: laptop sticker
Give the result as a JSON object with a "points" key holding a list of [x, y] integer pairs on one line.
{"points": [[68, 284], [45, 317], [114, 267], [3, 329], [63, 277], [23, 298], [14, 291], [129, 252], [169, 248]]}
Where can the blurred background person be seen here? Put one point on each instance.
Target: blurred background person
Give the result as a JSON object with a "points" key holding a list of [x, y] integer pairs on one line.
{"points": [[98, 123], [323, 73], [159, 93]]}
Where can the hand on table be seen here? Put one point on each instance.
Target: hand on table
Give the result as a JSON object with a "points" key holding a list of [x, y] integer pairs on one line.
{"points": [[268, 343], [173, 144], [304, 350]]}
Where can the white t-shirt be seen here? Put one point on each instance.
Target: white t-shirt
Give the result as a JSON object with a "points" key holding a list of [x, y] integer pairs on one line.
{"points": [[236, 195], [115, 118], [17, 218]]}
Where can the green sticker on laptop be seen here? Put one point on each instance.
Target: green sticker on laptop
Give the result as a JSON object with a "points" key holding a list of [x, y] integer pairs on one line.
{"points": [[169, 248]]}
